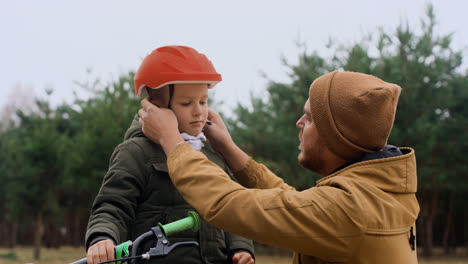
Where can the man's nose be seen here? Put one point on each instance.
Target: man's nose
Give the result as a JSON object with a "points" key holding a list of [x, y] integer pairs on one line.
{"points": [[299, 123]]}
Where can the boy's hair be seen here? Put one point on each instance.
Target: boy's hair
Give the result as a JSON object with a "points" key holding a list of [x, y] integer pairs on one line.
{"points": [[161, 96], [158, 95]]}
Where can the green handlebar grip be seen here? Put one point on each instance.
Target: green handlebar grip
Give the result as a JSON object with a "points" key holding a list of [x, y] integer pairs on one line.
{"points": [[192, 221], [122, 250]]}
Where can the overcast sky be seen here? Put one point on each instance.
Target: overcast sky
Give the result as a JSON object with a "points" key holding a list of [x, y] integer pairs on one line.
{"points": [[51, 44]]}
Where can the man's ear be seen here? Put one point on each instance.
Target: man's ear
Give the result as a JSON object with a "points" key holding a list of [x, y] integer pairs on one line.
{"points": [[160, 96]]}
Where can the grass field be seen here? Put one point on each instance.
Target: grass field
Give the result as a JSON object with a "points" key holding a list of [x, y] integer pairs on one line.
{"points": [[66, 255]]}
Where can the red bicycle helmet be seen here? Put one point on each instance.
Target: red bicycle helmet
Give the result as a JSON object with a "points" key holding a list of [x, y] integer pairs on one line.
{"points": [[172, 65]]}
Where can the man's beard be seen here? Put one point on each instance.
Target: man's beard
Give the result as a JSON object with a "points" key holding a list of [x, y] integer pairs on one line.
{"points": [[312, 158]]}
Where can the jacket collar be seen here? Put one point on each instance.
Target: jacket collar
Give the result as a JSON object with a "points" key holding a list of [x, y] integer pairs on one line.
{"points": [[387, 152], [134, 130], [395, 174]]}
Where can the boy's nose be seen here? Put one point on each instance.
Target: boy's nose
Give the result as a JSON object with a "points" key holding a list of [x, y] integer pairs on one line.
{"points": [[197, 110]]}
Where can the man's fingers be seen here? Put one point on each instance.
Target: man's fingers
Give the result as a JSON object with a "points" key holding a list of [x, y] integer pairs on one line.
{"points": [[145, 103], [148, 106], [142, 115], [141, 112], [212, 114]]}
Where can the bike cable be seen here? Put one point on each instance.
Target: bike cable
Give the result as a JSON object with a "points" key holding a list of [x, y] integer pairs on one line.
{"points": [[144, 256]]}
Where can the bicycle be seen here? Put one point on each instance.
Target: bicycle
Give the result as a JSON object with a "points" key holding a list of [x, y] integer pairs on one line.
{"points": [[128, 251]]}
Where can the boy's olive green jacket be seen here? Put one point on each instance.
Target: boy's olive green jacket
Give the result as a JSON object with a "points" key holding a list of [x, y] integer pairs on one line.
{"points": [[137, 193], [363, 213]]}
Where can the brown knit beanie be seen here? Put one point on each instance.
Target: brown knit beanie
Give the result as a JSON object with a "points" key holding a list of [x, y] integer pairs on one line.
{"points": [[353, 112]]}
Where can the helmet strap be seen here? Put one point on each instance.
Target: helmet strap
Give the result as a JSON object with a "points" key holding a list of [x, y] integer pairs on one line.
{"points": [[171, 93]]}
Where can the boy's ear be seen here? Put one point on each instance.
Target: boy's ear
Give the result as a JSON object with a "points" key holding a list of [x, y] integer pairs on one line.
{"points": [[160, 96]]}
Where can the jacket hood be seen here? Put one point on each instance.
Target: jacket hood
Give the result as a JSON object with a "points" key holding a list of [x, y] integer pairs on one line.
{"points": [[393, 174], [134, 130]]}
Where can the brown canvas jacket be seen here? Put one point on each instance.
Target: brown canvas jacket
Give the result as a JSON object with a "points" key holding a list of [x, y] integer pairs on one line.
{"points": [[360, 214]]}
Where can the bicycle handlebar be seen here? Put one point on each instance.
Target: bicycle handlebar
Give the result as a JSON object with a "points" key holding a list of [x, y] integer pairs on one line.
{"points": [[192, 221]]}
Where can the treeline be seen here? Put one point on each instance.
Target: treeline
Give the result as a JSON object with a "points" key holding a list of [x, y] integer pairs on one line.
{"points": [[53, 159]]}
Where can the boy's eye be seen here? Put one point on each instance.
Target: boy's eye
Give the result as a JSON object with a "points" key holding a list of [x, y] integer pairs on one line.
{"points": [[185, 104], [202, 102]]}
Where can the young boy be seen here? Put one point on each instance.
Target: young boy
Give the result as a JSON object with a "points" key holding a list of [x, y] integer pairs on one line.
{"points": [[137, 192]]}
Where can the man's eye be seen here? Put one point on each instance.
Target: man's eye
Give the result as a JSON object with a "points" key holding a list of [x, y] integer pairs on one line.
{"points": [[185, 104], [202, 102]]}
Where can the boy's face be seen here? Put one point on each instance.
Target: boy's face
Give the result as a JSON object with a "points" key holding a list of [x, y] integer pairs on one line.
{"points": [[190, 105]]}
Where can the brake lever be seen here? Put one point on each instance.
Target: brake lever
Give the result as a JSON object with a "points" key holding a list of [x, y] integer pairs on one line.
{"points": [[166, 249], [163, 246]]}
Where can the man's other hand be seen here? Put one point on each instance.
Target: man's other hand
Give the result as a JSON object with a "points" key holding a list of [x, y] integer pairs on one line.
{"points": [[160, 125], [217, 133]]}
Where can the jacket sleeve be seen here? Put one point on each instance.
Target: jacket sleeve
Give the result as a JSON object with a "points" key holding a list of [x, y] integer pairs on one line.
{"points": [[115, 205], [235, 243], [321, 221], [258, 176]]}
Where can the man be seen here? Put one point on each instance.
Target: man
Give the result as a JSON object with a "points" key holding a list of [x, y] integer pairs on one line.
{"points": [[364, 208]]}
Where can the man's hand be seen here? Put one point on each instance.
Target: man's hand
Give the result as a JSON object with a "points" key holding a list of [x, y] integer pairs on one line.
{"points": [[242, 258], [159, 125], [217, 133], [221, 141], [101, 251]]}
